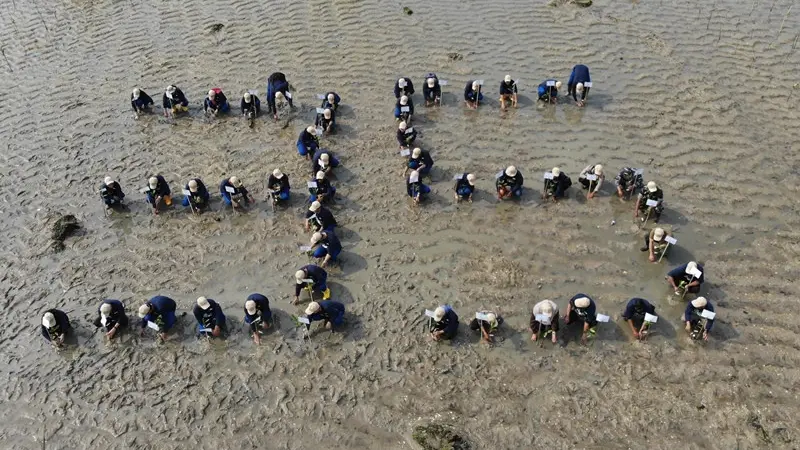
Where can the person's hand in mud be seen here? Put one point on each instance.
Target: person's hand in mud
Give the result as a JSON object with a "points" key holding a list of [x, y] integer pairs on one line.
{"points": [[296, 300], [436, 335], [216, 331], [584, 337], [275, 116], [162, 336], [112, 332], [652, 257], [257, 337], [705, 335], [688, 327]]}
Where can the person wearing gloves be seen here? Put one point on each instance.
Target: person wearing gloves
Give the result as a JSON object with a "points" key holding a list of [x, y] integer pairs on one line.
{"points": [[159, 310], [548, 94], [239, 195], [198, 197], [174, 101], [557, 187], [140, 101], [634, 314], [257, 315], [419, 160], [319, 218], [692, 317], [308, 142], [277, 92], [326, 121], [651, 192], [331, 101], [111, 192], [415, 188], [312, 278], [508, 91], [654, 243], [330, 312], [582, 309], [577, 83], [628, 182], [465, 187], [325, 245], [444, 324], [681, 280], [216, 102], [544, 325], [472, 94], [406, 135], [250, 104], [399, 114], [111, 317], [278, 185], [158, 191], [592, 186], [209, 316], [432, 90], [509, 183], [55, 326], [324, 161], [324, 190], [487, 327], [403, 86]]}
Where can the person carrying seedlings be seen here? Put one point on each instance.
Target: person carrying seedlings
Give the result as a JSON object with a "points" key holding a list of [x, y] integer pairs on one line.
{"points": [[509, 184], [111, 192], [582, 309], [55, 326], [654, 243], [324, 191], [325, 245], [278, 185], [159, 310], [556, 188], [330, 312], [257, 315], [692, 317], [406, 135], [403, 102], [326, 121], [239, 196], [403, 86], [209, 316], [651, 192], [548, 94], [111, 317], [432, 90], [250, 104], [508, 92], [680, 278], [472, 94], [174, 101], [419, 160], [319, 218], [198, 196], [487, 327], [577, 83], [444, 324], [308, 142], [216, 102], [312, 278], [634, 314], [544, 320], [140, 101], [331, 101], [324, 161], [465, 187], [158, 191], [415, 188], [277, 92], [593, 186], [628, 182]]}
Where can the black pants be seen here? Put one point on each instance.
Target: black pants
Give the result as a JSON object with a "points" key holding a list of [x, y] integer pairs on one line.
{"points": [[474, 324], [574, 317], [123, 322]]}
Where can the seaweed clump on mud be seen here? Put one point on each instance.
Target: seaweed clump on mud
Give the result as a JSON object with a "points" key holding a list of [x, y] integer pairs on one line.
{"points": [[438, 437], [64, 227]]}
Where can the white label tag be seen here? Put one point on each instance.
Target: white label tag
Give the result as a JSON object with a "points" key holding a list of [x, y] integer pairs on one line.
{"points": [[544, 319], [321, 97], [638, 172], [591, 177], [153, 325], [652, 203], [405, 152], [603, 318], [457, 176], [548, 175], [288, 95], [587, 84], [187, 192], [318, 131], [305, 248], [206, 330], [480, 82], [442, 82], [695, 273], [429, 313], [312, 184], [320, 110], [402, 83], [410, 130], [499, 174], [650, 318], [708, 314], [671, 240], [307, 281], [405, 108], [482, 316], [230, 189], [551, 83], [304, 320]]}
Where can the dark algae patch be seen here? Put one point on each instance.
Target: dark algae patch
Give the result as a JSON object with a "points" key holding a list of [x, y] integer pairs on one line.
{"points": [[438, 437], [64, 227]]}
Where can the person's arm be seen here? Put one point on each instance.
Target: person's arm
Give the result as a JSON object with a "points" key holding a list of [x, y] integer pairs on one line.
{"points": [[133, 105], [598, 183], [297, 289], [45, 334], [636, 208], [198, 314], [569, 311]]}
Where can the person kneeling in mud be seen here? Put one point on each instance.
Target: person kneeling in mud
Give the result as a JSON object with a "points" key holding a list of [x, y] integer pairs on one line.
{"points": [[651, 192], [444, 324], [593, 186], [544, 320], [278, 186], [158, 312], [556, 188], [319, 218], [158, 191], [465, 187], [198, 197], [406, 135], [55, 326], [654, 243], [210, 318], [582, 309], [414, 187], [681, 278], [419, 160], [509, 184], [694, 320], [326, 121], [313, 279], [325, 245], [112, 194], [487, 327], [330, 312], [257, 315], [634, 315], [111, 317]]}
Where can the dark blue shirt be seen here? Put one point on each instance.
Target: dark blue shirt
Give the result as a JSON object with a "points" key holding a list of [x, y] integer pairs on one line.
{"points": [[262, 310], [159, 305], [317, 274], [328, 310], [201, 196], [61, 327], [323, 218], [116, 316], [638, 307], [587, 314], [408, 90], [679, 274], [211, 317], [162, 188], [692, 314], [177, 99], [449, 323]]}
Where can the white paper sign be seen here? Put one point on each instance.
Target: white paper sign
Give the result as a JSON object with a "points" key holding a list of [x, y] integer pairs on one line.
{"points": [[457, 177], [318, 131], [405, 108], [591, 177], [603, 318], [402, 83], [651, 203], [320, 110], [410, 130], [153, 325], [307, 281], [321, 97], [442, 82], [694, 272], [405, 152], [312, 184], [305, 248], [480, 82], [230, 189], [206, 330], [671, 240], [708, 314], [650, 318], [548, 175], [482, 316], [544, 319], [587, 84], [304, 320], [551, 83], [187, 192], [430, 313], [288, 95], [499, 174]]}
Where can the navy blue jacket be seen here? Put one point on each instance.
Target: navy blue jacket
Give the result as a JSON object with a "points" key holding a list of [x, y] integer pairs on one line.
{"points": [[331, 243], [219, 100], [469, 94], [692, 314], [462, 187], [558, 185], [588, 314], [323, 218], [336, 99], [511, 183], [410, 106], [323, 187], [638, 307], [309, 140], [448, 324], [201, 196], [431, 93], [424, 158], [117, 315], [177, 99], [262, 311], [508, 88], [315, 273], [328, 310], [679, 274], [254, 105], [274, 183], [62, 324], [113, 192], [162, 188], [580, 74], [406, 138], [143, 101], [322, 122], [237, 191], [316, 166], [211, 317], [408, 90], [160, 306], [276, 83]]}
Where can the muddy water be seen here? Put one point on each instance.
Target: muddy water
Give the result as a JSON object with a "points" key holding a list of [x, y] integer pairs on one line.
{"points": [[700, 96]]}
